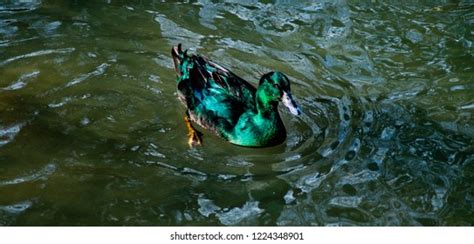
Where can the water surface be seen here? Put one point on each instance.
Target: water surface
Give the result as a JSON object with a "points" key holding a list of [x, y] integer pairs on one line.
{"points": [[91, 131]]}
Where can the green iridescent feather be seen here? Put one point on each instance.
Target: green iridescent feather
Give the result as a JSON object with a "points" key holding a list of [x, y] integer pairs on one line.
{"points": [[220, 101]]}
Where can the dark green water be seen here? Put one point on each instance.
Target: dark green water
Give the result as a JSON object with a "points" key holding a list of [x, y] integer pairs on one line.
{"points": [[91, 131]]}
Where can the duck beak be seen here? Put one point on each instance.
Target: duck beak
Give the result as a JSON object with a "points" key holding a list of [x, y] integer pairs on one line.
{"points": [[290, 103]]}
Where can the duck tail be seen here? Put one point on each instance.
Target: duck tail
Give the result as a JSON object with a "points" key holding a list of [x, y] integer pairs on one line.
{"points": [[178, 55]]}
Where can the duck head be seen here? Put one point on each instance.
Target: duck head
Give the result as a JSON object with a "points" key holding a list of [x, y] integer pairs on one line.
{"points": [[275, 87]]}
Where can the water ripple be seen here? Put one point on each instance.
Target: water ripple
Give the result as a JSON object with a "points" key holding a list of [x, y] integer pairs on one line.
{"points": [[16, 208], [41, 174], [22, 81], [98, 71], [19, 6], [241, 216], [385, 137], [177, 34], [8, 133], [38, 53]]}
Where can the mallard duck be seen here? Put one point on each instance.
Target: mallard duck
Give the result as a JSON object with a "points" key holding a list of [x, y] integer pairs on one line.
{"points": [[229, 106]]}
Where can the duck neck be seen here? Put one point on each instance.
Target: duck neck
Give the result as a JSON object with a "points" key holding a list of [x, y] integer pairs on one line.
{"points": [[268, 120], [265, 108]]}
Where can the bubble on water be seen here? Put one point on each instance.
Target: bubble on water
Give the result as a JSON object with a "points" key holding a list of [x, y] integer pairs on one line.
{"points": [[85, 121], [91, 55], [111, 118], [414, 36]]}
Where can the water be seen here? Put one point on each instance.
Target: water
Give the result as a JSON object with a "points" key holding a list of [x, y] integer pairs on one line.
{"points": [[91, 131]]}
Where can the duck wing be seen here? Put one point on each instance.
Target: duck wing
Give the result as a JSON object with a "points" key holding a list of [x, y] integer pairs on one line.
{"points": [[212, 92], [205, 73]]}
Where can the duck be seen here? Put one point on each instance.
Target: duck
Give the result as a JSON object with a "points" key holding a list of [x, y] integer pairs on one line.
{"points": [[227, 105]]}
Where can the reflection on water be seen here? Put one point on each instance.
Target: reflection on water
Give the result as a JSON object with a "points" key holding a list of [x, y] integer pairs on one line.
{"points": [[91, 132]]}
